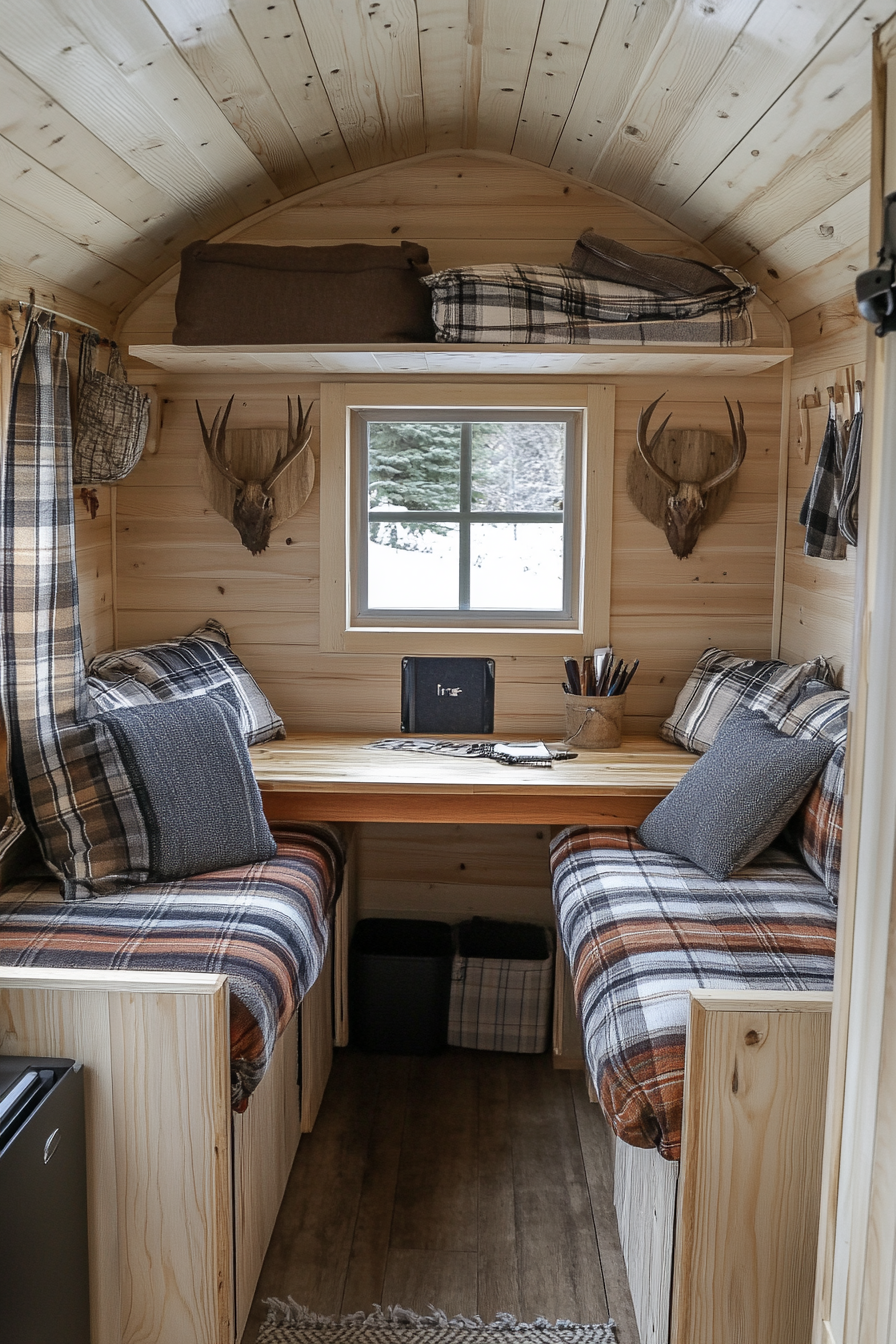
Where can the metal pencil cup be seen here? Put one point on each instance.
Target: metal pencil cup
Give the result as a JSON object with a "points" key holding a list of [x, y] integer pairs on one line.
{"points": [[594, 722]]}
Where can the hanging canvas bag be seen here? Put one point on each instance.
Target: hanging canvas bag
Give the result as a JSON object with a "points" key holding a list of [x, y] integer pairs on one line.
{"points": [[113, 418]]}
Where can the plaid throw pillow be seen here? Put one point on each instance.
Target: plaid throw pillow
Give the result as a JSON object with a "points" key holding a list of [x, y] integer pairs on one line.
{"points": [[106, 696], [816, 830], [722, 684], [178, 669], [83, 808]]}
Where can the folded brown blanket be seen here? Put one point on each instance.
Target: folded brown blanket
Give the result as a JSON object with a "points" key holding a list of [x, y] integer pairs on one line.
{"points": [[256, 294]]}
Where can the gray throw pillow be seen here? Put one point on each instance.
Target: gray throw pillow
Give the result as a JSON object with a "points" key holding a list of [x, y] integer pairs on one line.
{"points": [[737, 798], [192, 778]]}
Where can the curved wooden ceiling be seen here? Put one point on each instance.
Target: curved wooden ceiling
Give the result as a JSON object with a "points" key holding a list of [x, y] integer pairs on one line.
{"points": [[131, 127]]}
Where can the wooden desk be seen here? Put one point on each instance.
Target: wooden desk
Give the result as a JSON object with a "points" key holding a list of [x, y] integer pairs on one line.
{"points": [[332, 777]]}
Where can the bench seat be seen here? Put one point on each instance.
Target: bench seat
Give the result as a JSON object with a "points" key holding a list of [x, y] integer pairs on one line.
{"points": [[265, 927], [640, 929]]}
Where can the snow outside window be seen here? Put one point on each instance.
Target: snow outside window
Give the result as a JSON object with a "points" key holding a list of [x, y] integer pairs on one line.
{"points": [[466, 512]]}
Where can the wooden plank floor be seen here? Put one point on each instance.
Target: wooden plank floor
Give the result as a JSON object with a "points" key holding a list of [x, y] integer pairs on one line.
{"points": [[472, 1181]]}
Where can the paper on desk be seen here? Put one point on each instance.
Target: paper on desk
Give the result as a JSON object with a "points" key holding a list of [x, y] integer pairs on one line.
{"points": [[507, 753]]}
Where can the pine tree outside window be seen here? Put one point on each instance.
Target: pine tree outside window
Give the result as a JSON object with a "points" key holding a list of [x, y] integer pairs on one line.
{"points": [[466, 515]]}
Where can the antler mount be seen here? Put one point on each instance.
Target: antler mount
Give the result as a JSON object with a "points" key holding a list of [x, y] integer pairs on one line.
{"points": [[256, 478], [681, 480]]}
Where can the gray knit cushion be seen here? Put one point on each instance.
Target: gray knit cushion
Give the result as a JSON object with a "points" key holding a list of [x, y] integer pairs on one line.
{"points": [[191, 774], [737, 798]]}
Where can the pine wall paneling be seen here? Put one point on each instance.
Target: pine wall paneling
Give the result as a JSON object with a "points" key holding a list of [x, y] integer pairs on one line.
{"points": [[179, 562], [176, 556], [818, 607]]}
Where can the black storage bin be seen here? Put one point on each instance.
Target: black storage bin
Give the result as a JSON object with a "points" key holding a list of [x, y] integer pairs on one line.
{"points": [[399, 985]]}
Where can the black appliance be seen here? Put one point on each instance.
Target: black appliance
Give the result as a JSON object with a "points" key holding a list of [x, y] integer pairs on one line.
{"points": [[43, 1203]]}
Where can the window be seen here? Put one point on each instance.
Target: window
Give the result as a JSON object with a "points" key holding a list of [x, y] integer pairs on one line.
{"points": [[465, 518], [466, 515]]}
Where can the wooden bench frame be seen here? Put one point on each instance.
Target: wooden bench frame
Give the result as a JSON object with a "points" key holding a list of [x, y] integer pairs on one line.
{"points": [[182, 1194], [721, 1249]]}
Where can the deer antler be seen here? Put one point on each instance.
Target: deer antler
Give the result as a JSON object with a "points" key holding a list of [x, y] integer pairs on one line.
{"points": [[293, 446], [646, 449], [738, 447], [214, 444]]}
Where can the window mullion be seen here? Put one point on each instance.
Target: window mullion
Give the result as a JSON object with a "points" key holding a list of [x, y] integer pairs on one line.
{"points": [[466, 505]]}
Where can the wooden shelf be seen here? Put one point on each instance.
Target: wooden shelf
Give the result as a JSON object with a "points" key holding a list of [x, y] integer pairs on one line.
{"points": [[465, 359]]}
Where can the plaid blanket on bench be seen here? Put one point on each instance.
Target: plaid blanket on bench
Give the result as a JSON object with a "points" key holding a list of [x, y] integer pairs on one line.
{"points": [[265, 927], [640, 929]]}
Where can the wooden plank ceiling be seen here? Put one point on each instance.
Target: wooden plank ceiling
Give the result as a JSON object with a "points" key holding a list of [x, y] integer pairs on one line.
{"points": [[131, 127]]}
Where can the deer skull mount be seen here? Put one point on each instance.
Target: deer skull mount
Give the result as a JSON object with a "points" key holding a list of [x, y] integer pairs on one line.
{"points": [[246, 499], [685, 502]]}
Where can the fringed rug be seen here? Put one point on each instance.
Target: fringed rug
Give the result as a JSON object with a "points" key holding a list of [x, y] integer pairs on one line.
{"points": [[288, 1323]]}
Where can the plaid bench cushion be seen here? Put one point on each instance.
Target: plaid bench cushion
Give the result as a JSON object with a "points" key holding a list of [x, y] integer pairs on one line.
{"points": [[555, 304], [640, 929], [264, 926]]}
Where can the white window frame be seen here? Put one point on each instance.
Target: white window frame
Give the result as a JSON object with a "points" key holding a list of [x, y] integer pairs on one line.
{"points": [[341, 631]]}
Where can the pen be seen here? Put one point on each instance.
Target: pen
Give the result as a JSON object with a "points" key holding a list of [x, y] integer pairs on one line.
{"points": [[572, 672], [631, 673]]}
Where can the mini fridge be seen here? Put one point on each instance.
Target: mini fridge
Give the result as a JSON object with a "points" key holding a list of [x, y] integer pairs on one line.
{"points": [[43, 1203]]}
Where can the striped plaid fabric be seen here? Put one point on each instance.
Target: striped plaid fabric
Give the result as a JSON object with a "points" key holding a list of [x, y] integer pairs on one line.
{"points": [[722, 684], [104, 696], [817, 828], [640, 929], [265, 927], [178, 669], [724, 328], [555, 304], [819, 514], [67, 778], [499, 1004]]}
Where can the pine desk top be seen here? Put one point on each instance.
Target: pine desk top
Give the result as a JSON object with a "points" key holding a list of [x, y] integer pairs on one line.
{"points": [[335, 777]]}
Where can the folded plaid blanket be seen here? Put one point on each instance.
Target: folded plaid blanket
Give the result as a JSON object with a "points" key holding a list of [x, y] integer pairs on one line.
{"points": [[555, 304], [640, 929], [265, 927]]}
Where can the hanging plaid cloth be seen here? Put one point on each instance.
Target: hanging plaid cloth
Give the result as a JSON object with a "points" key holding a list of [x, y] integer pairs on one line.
{"points": [[819, 512], [848, 513]]}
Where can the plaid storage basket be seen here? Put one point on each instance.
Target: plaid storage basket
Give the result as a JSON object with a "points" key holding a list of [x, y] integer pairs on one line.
{"points": [[113, 418], [502, 1003]]}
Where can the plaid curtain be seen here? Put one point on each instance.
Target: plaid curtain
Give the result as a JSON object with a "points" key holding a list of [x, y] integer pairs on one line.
{"points": [[67, 779]]}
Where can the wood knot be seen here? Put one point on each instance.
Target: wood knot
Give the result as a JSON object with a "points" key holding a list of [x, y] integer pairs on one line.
{"points": [[752, 1038]]}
